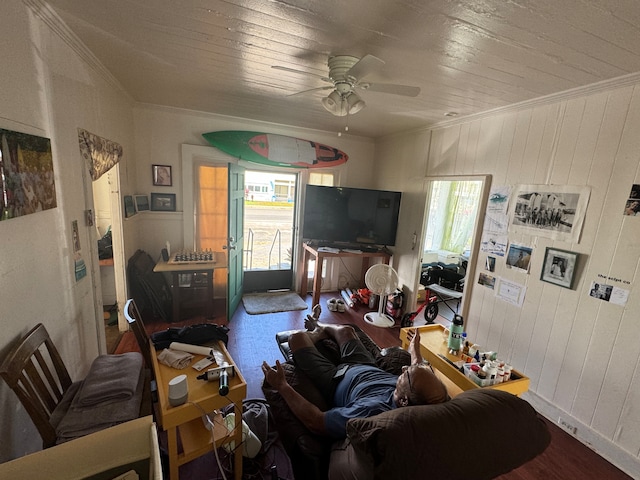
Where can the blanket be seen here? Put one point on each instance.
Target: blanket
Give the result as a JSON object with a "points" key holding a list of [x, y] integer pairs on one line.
{"points": [[110, 378], [83, 421]]}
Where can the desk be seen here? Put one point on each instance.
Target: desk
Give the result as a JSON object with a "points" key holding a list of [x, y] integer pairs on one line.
{"points": [[314, 252], [186, 420], [179, 268], [433, 343]]}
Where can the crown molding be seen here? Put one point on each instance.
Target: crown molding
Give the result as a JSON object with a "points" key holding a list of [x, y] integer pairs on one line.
{"points": [[49, 17], [631, 79]]}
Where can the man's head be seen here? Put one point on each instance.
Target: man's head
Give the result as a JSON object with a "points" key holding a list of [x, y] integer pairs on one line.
{"points": [[418, 385]]}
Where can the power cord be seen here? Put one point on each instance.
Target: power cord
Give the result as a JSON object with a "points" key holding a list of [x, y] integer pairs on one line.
{"points": [[207, 418], [258, 474]]}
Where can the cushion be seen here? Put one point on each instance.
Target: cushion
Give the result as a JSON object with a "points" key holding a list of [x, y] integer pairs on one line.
{"points": [[409, 441]]}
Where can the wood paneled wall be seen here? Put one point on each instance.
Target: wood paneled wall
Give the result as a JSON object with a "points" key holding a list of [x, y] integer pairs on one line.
{"points": [[582, 354]]}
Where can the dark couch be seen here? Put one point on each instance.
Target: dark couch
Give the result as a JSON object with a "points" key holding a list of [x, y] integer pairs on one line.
{"points": [[479, 434]]}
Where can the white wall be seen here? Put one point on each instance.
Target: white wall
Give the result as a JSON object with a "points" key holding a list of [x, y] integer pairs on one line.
{"points": [[161, 131], [48, 90], [581, 354], [51, 85]]}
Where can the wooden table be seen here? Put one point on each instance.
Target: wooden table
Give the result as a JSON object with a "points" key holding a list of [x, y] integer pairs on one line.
{"points": [[185, 420], [433, 343], [319, 255], [179, 268]]}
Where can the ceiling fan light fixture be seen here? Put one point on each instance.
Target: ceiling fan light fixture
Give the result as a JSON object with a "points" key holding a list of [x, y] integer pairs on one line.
{"points": [[333, 103], [341, 105], [355, 103]]}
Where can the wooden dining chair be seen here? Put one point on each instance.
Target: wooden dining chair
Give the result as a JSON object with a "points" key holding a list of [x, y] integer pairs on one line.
{"points": [[34, 370], [132, 314], [134, 318]]}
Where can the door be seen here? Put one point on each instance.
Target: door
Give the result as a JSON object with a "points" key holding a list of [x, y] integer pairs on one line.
{"points": [[455, 208], [108, 214], [269, 225], [235, 239]]}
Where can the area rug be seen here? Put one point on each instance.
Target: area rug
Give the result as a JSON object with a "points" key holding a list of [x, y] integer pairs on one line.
{"points": [[272, 302]]}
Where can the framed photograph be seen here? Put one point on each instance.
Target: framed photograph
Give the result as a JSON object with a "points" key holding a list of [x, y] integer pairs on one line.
{"points": [[163, 202], [142, 202], [129, 207], [552, 211], [559, 267], [162, 175]]}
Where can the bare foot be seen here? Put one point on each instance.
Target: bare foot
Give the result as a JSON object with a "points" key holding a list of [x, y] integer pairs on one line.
{"points": [[311, 322]]}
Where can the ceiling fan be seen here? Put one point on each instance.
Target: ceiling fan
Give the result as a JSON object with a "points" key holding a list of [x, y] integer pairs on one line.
{"points": [[346, 74]]}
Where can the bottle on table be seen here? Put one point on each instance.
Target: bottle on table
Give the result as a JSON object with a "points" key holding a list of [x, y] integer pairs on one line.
{"points": [[455, 335]]}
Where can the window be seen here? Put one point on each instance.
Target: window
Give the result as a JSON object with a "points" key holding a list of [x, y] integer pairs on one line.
{"points": [[322, 178], [452, 215]]}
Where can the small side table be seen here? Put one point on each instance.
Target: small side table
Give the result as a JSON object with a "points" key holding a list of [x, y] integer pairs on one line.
{"points": [[178, 268], [319, 255], [185, 420]]}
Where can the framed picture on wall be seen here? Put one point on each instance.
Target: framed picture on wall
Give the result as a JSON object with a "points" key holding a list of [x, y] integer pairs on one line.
{"points": [[129, 207], [162, 175], [552, 211], [142, 202], [559, 267], [163, 202]]}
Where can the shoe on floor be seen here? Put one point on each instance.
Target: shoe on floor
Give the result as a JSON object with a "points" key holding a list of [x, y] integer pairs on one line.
{"points": [[332, 304], [340, 305]]}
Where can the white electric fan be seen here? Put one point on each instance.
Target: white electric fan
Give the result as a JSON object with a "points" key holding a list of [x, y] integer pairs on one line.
{"points": [[382, 280]]}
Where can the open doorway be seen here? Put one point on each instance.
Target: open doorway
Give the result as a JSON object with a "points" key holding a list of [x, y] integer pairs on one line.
{"points": [[450, 243], [269, 221], [104, 189]]}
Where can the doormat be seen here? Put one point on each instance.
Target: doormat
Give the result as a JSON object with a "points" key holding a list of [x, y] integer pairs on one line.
{"points": [[272, 302]]}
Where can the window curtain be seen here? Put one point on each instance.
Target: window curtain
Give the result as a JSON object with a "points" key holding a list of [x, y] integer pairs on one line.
{"points": [[461, 205], [99, 153]]}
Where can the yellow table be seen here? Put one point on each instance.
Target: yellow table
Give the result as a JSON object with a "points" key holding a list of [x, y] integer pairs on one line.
{"points": [[433, 343], [186, 420]]}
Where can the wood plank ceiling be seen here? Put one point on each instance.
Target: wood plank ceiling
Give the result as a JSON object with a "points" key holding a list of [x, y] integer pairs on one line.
{"points": [[466, 56]]}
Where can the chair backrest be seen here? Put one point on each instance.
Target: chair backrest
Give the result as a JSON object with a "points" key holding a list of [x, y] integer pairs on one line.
{"points": [[36, 373], [132, 314]]}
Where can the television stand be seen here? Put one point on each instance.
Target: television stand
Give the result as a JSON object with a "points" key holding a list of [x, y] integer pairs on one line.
{"points": [[311, 250]]}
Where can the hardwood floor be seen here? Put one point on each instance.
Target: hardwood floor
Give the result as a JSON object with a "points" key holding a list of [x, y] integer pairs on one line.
{"points": [[252, 340]]}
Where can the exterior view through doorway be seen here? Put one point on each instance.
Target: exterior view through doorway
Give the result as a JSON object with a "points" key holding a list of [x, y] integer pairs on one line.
{"points": [[269, 220]]}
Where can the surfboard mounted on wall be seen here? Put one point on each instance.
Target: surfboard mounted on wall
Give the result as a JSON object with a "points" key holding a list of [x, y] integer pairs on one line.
{"points": [[276, 150]]}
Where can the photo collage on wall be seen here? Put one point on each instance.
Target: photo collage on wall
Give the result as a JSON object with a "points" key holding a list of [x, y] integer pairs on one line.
{"points": [[555, 212]]}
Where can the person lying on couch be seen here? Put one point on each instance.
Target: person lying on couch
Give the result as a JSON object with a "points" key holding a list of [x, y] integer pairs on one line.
{"points": [[355, 388]]}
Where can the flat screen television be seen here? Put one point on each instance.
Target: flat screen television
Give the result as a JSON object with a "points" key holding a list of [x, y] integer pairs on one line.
{"points": [[353, 216]]}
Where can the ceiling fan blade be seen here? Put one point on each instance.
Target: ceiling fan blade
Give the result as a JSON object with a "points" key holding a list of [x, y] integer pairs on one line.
{"points": [[404, 90], [328, 87], [292, 70], [365, 66]]}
